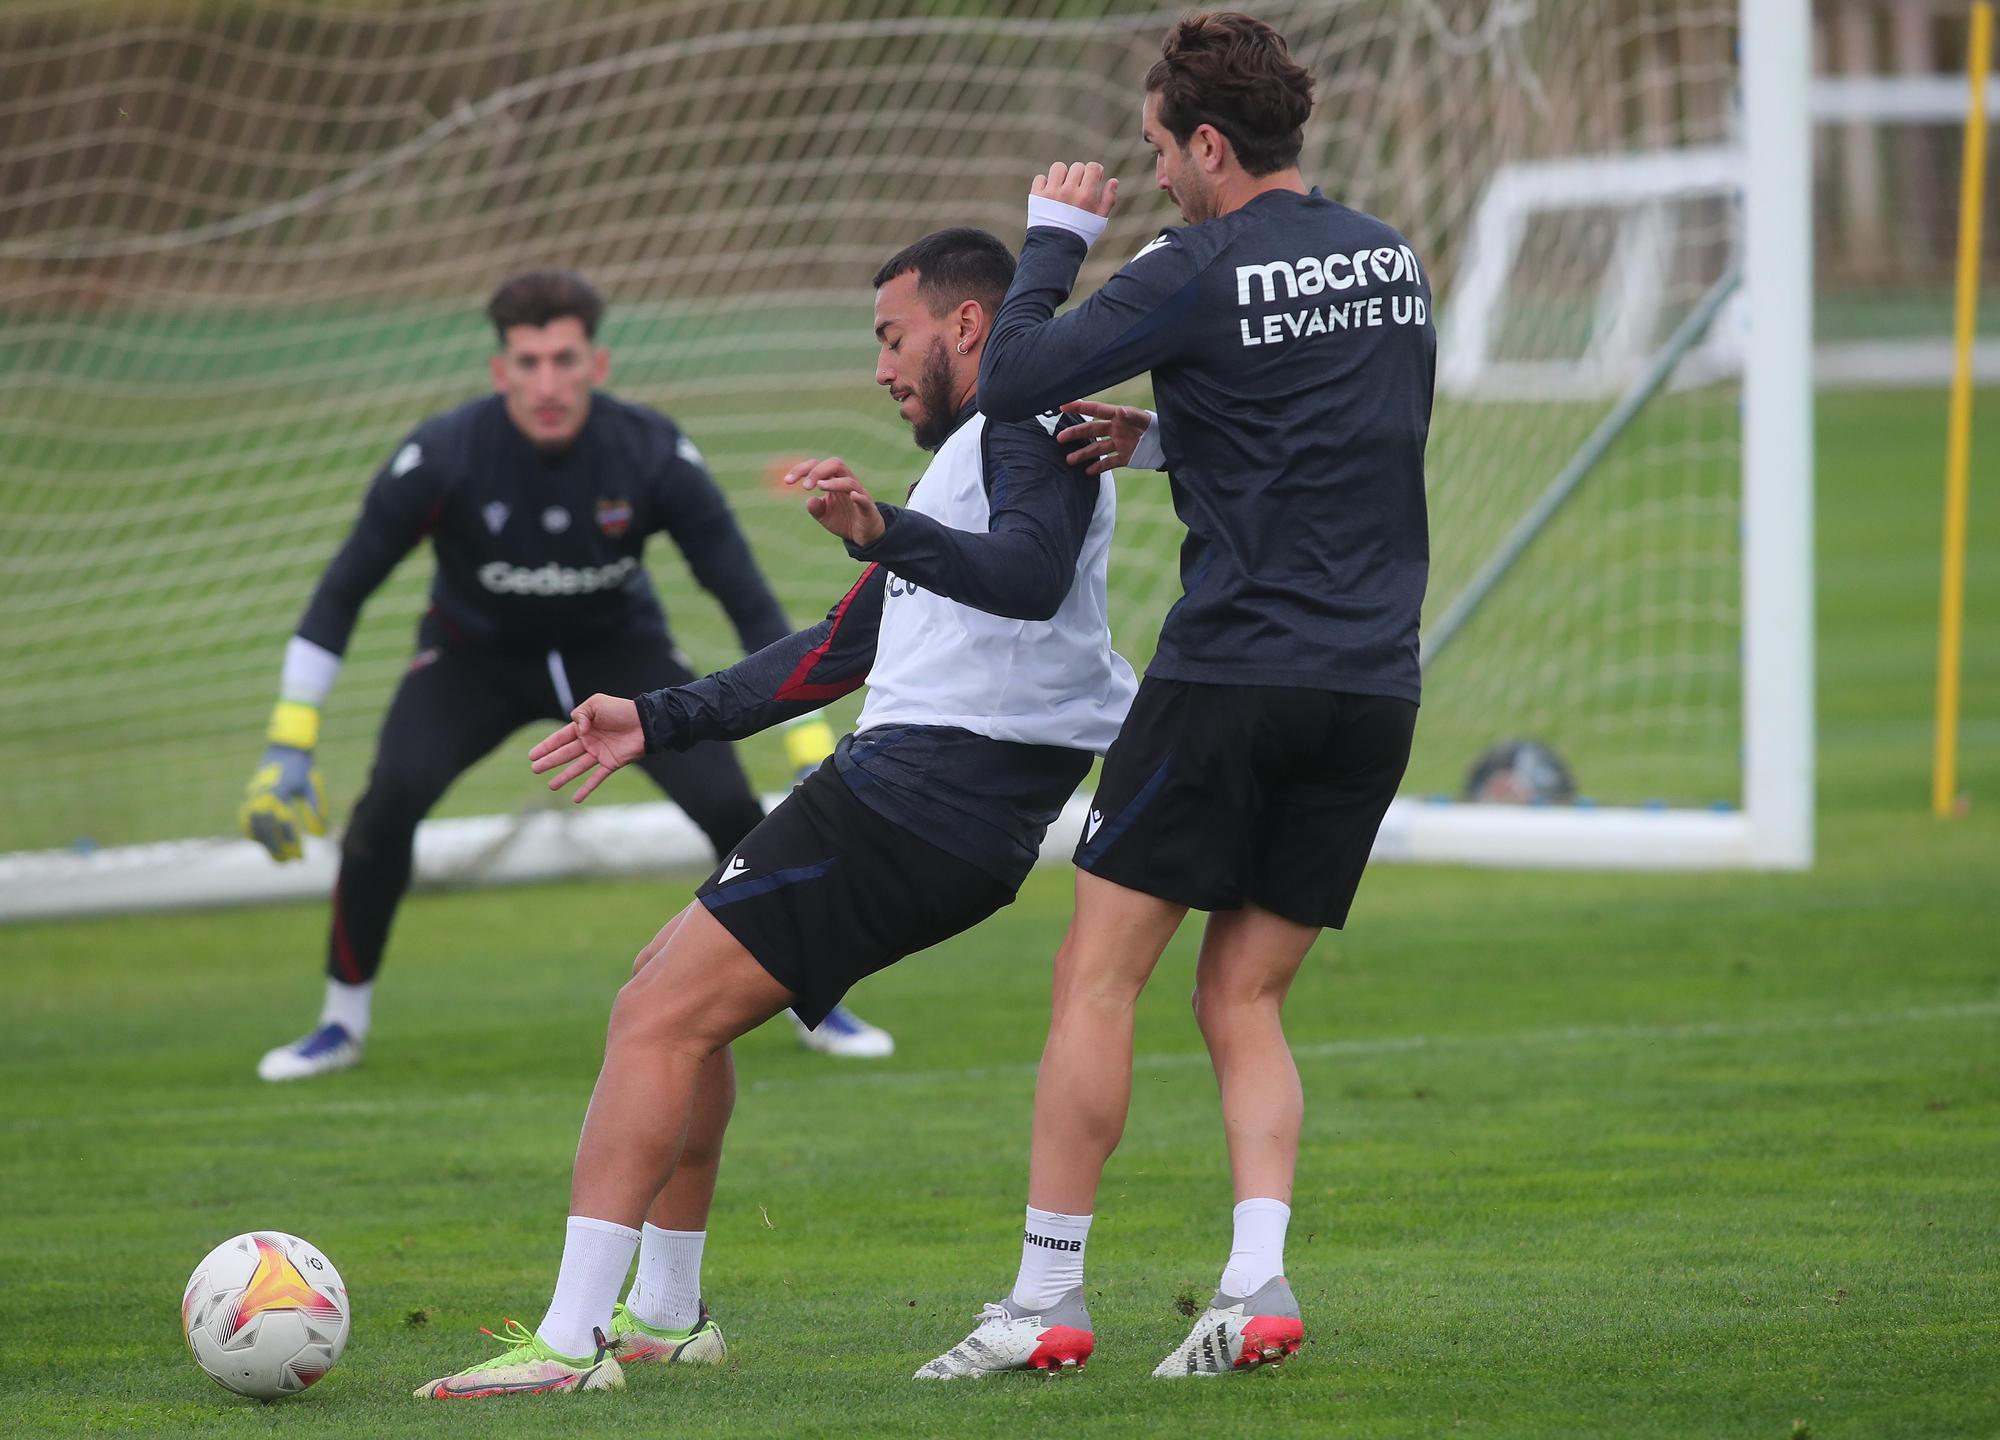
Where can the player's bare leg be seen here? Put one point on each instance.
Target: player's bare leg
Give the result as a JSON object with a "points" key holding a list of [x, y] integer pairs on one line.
{"points": [[1249, 958], [1085, 1085], [670, 1027], [1081, 1098], [700, 992], [664, 1318]]}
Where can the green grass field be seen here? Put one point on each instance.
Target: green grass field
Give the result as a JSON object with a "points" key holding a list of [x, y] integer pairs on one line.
{"points": [[1695, 1156]]}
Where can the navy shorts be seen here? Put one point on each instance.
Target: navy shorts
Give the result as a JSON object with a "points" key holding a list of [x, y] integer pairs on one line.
{"points": [[825, 891], [1214, 796]]}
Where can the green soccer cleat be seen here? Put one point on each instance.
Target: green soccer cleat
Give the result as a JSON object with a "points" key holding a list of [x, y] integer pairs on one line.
{"points": [[527, 1367], [633, 1341]]}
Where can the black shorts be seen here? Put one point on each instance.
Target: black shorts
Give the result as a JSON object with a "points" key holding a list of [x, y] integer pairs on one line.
{"points": [[1214, 796], [825, 892], [457, 702]]}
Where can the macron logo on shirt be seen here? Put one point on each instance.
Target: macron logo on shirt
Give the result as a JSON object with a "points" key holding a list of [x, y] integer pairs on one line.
{"points": [[1314, 274], [737, 866]]}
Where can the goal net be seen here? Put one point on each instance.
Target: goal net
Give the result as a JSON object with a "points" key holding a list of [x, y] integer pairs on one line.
{"points": [[244, 248]]}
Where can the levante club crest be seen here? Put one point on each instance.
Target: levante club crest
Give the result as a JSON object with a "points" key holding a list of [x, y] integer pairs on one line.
{"points": [[614, 517]]}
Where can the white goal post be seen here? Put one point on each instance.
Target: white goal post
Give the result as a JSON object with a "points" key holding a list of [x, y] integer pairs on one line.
{"points": [[1764, 336], [1640, 188]]}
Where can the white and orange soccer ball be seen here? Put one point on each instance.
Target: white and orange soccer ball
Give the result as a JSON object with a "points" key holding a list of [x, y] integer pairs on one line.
{"points": [[266, 1314]]}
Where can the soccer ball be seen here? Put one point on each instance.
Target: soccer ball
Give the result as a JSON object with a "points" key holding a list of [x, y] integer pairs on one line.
{"points": [[1520, 772], [266, 1314]]}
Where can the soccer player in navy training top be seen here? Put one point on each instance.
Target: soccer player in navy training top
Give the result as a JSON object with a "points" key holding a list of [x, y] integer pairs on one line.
{"points": [[538, 500], [1292, 354], [980, 629]]}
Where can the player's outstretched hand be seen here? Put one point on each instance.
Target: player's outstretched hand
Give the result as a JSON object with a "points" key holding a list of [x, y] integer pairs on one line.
{"points": [[1083, 186], [839, 501], [285, 801], [603, 735], [1107, 439]]}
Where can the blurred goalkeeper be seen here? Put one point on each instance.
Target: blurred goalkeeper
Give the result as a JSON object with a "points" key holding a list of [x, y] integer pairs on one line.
{"points": [[538, 501]]}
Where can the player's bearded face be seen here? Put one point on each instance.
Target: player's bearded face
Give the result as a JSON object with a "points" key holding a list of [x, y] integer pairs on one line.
{"points": [[936, 387], [547, 373], [916, 364]]}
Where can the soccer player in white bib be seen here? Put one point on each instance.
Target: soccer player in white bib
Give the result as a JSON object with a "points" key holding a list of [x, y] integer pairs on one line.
{"points": [[979, 626], [1292, 355]]}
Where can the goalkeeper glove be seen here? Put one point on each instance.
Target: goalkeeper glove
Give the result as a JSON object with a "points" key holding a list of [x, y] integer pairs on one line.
{"points": [[808, 740], [286, 797]]}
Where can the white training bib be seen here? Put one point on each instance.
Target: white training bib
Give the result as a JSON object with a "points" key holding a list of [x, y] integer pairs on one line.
{"points": [[1033, 682]]}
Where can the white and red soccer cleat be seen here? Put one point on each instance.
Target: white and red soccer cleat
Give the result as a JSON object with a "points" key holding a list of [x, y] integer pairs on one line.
{"points": [[1239, 1334], [1011, 1338]]}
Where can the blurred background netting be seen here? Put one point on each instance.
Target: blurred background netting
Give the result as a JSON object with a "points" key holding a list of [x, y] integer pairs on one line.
{"points": [[243, 249]]}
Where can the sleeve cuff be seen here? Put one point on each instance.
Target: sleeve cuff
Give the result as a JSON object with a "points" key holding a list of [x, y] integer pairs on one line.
{"points": [[874, 551], [653, 723], [1081, 223], [1149, 453], [309, 672]]}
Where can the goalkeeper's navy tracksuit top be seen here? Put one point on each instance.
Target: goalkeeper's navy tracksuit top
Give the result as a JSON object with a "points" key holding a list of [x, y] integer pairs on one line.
{"points": [[1293, 356], [542, 551]]}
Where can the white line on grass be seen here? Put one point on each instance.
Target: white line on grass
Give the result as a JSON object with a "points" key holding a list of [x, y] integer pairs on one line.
{"points": [[842, 1074], [1506, 1040]]}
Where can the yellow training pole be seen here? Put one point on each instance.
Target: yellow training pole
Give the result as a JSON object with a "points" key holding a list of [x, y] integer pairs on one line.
{"points": [[1958, 455]]}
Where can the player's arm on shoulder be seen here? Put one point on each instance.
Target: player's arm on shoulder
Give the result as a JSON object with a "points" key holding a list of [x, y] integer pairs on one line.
{"points": [[697, 516], [790, 678], [1102, 437]]}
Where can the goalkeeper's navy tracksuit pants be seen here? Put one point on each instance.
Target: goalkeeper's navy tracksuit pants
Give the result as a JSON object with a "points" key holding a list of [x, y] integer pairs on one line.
{"points": [[453, 707]]}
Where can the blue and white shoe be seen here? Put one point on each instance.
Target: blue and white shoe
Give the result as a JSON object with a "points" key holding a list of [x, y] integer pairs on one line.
{"points": [[847, 1035], [327, 1049]]}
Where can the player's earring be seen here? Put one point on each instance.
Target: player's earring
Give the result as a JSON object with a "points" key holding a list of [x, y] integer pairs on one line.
{"points": [[961, 347]]}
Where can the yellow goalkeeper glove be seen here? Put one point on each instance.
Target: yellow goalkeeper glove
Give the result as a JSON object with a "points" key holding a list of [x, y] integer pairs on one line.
{"points": [[808, 740], [286, 799]]}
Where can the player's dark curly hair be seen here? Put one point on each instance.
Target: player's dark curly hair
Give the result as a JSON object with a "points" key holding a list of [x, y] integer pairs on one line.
{"points": [[1236, 73], [954, 265], [542, 296]]}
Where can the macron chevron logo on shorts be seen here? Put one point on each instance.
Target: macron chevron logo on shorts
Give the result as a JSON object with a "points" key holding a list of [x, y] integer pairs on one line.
{"points": [[737, 866], [1091, 825]]}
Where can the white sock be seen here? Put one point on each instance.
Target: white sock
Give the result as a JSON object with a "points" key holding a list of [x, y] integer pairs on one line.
{"points": [[596, 1255], [1258, 1255], [348, 1006], [666, 1291], [1051, 1258]]}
